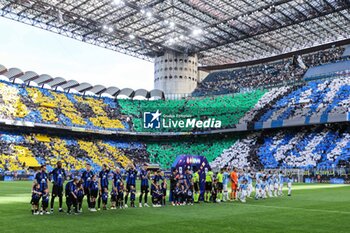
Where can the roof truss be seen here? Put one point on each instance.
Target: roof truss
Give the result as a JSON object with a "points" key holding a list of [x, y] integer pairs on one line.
{"points": [[229, 31]]}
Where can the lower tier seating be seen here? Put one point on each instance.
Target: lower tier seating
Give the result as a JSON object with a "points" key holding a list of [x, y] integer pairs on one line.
{"points": [[23, 151], [308, 147], [165, 153], [318, 146]]}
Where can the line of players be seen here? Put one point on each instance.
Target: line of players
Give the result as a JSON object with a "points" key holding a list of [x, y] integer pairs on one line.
{"points": [[267, 184], [184, 187], [96, 188]]}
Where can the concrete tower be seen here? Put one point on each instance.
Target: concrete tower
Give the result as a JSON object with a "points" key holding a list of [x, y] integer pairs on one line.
{"points": [[176, 74]]}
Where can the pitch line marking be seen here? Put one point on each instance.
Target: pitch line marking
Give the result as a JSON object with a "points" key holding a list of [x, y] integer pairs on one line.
{"points": [[301, 209], [316, 186]]}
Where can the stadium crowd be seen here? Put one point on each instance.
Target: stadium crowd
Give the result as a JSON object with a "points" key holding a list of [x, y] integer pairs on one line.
{"points": [[40, 105], [322, 147], [185, 187], [269, 74], [315, 98], [319, 146]]}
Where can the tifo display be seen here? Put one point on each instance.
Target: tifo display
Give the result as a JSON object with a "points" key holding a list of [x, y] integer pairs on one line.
{"points": [[315, 147]]}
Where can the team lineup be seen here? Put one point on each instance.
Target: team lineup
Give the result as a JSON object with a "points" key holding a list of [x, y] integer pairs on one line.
{"points": [[186, 188]]}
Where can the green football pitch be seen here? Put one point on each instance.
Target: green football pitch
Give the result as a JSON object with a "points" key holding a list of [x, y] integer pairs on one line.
{"points": [[311, 208]]}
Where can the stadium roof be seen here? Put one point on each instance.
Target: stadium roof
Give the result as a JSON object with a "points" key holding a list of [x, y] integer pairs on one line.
{"points": [[220, 31], [31, 78]]}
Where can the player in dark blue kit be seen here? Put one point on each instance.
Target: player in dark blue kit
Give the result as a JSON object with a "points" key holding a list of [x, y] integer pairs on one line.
{"points": [[163, 187], [45, 202], [117, 180], [120, 199], [177, 194], [156, 193], [87, 178], [189, 186], [131, 175], [103, 182], [173, 181], [188, 177], [144, 177], [71, 197], [104, 197], [114, 199], [93, 191], [157, 177], [132, 196], [36, 194], [58, 176], [42, 178], [80, 196]]}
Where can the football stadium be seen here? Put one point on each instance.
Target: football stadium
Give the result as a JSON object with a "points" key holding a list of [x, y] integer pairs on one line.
{"points": [[244, 128]]}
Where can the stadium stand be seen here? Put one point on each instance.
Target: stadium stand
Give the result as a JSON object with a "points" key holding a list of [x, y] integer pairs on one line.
{"points": [[229, 109], [316, 98], [270, 74], [165, 153], [264, 103], [323, 146], [321, 98], [39, 105], [319, 146], [23, 151]]}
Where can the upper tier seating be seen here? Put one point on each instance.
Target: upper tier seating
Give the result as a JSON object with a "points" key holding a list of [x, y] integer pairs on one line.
{"points": [[229, 109], [40, 105], [277, 73], [316, 98], [264, 103], [320, 98]]}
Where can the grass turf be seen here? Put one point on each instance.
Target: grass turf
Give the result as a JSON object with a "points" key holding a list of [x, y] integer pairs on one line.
{"points": [[312, 208]]}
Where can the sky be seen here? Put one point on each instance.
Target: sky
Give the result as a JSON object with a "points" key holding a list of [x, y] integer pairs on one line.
{"points": [[32, 49]]}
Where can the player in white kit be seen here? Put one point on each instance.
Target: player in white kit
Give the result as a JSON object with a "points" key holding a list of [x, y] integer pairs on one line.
{"points": [[289, 185], [280, 186], [226, 178]]}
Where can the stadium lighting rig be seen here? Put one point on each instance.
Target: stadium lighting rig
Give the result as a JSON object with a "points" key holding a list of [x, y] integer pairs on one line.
{"points": [[226, 31], [117, 2], [149, 14], [108, 28], [197, 32], [171, 24]]}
